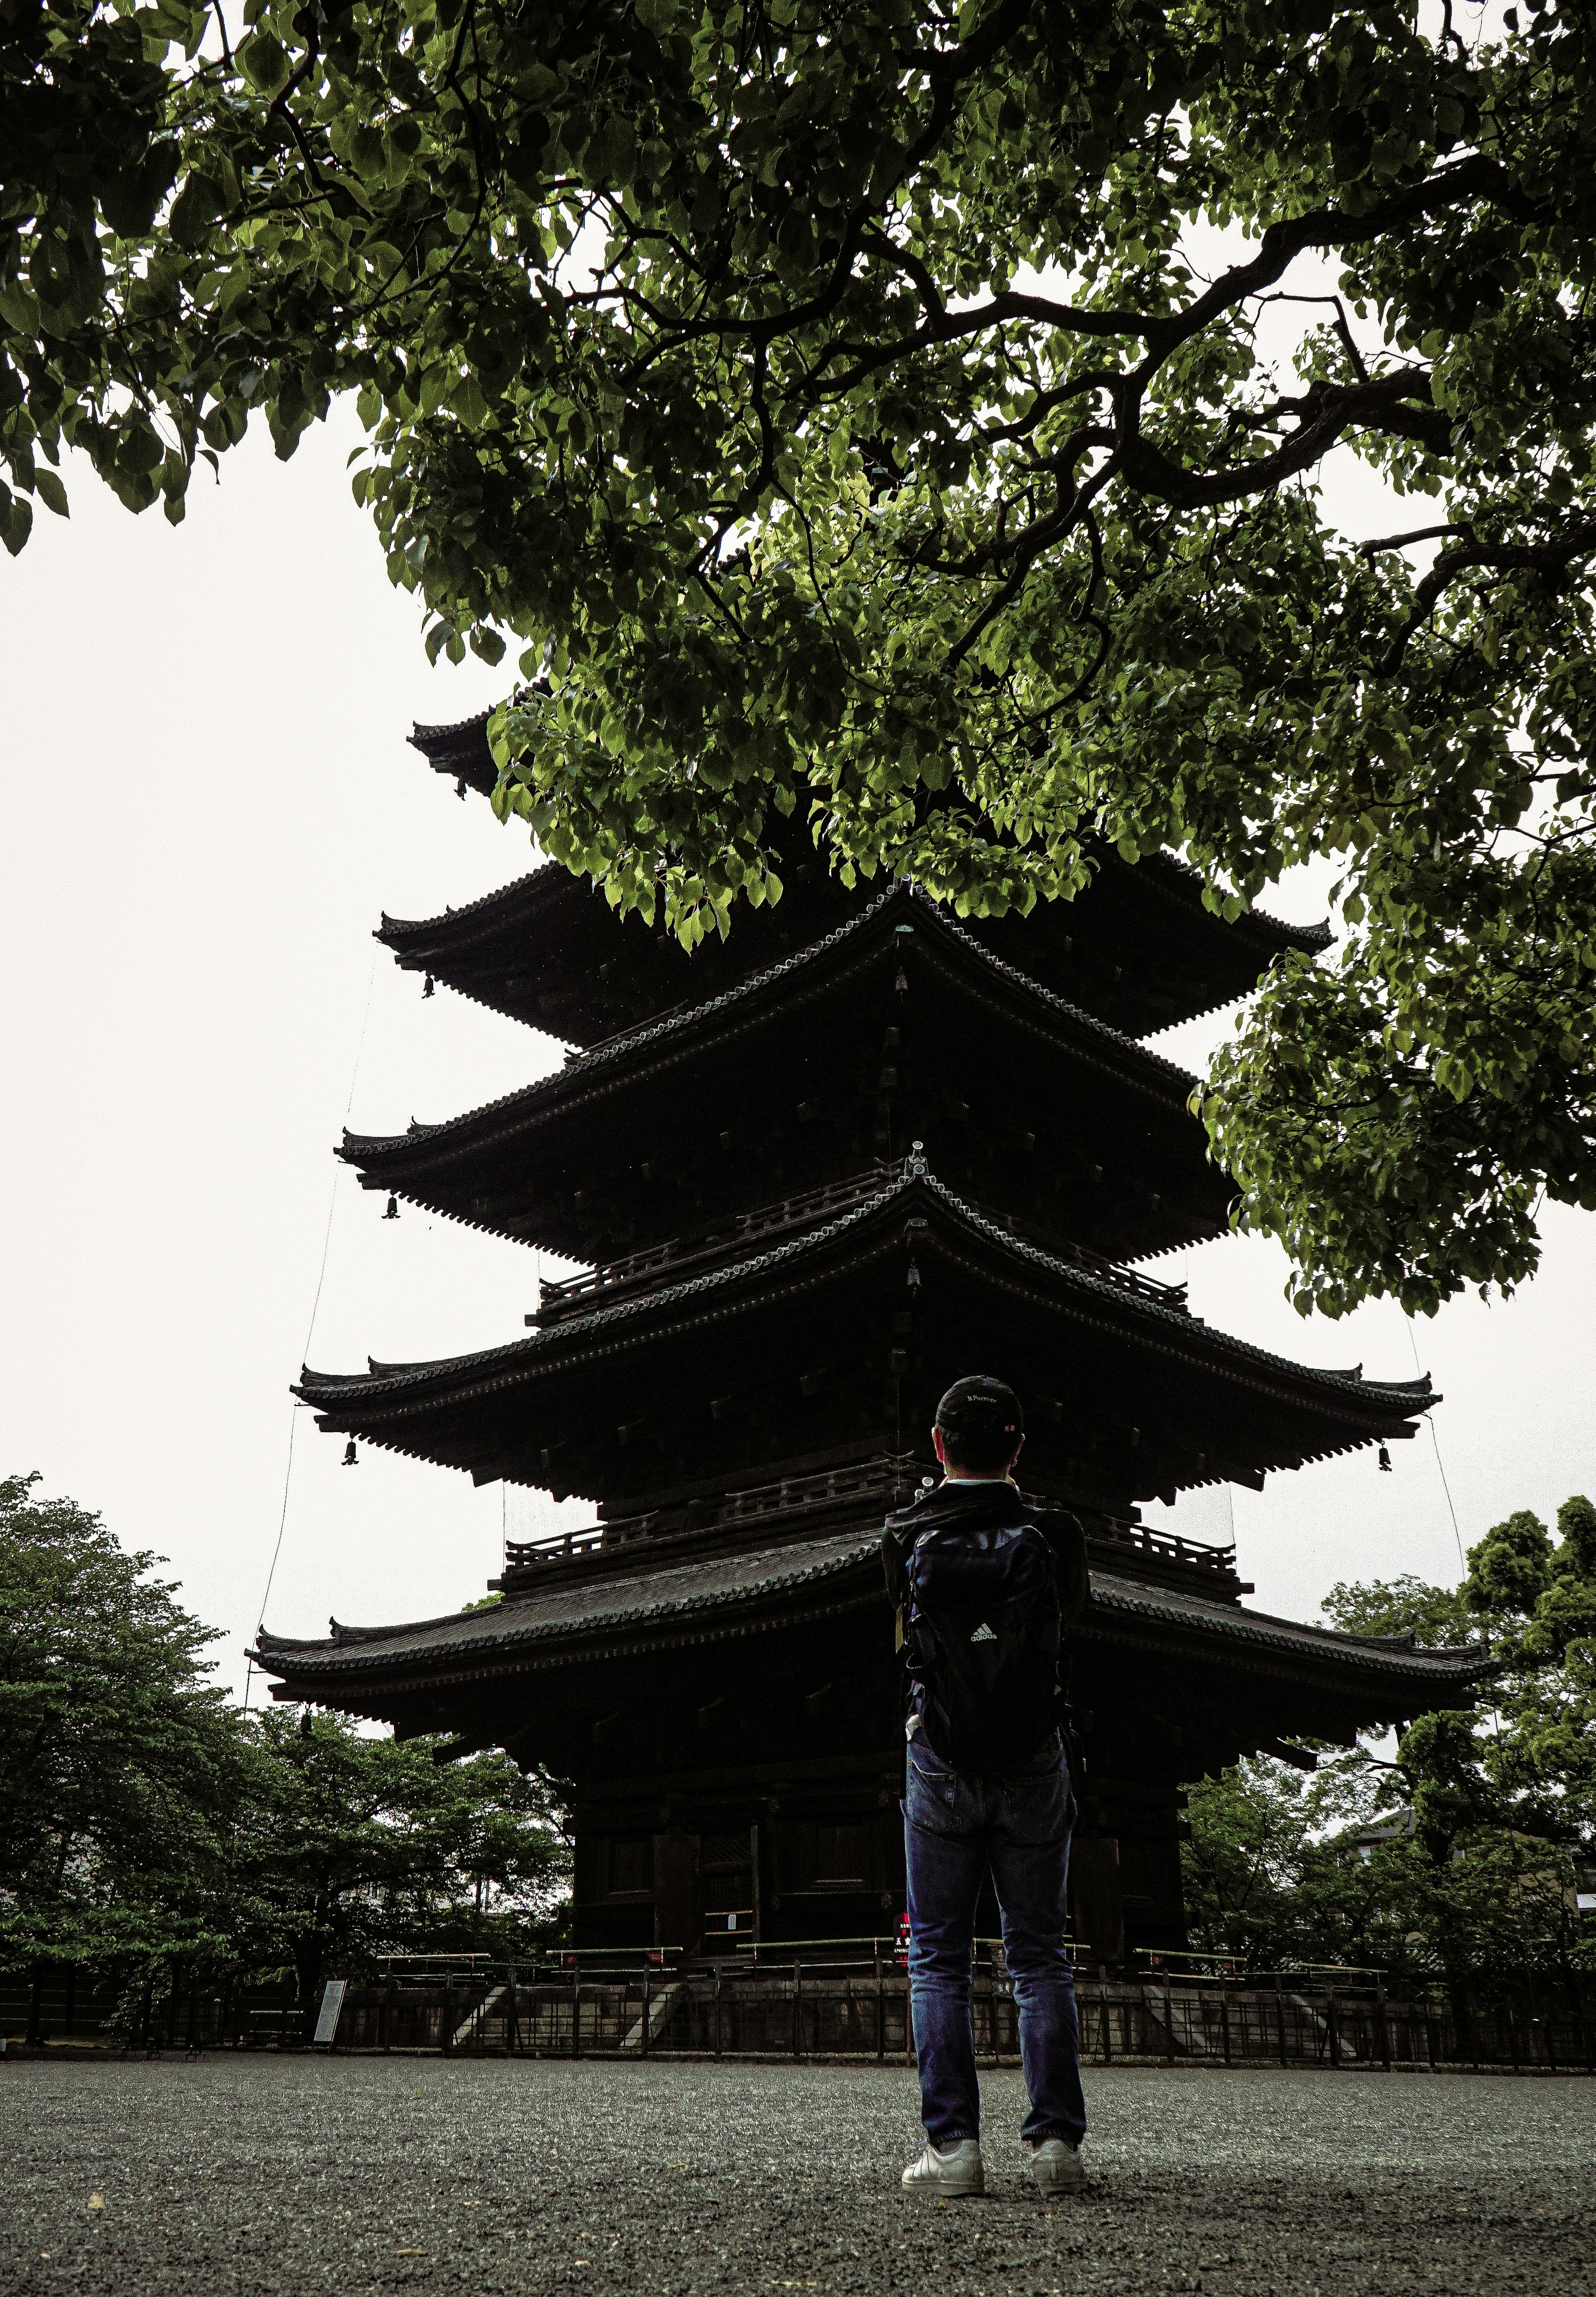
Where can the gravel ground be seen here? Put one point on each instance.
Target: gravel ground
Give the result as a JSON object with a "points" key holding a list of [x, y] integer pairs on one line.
{"points": [[285, 2177]]}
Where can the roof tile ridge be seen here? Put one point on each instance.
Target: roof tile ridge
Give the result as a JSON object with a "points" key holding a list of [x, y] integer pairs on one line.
{"points": [[1104, 1030], [453, 725], [584, 1063], [1176, 1318], [618, 1311], [822, 1559], [1198, 1336], [542, 873], [1320, 934], [1153, 1597]]}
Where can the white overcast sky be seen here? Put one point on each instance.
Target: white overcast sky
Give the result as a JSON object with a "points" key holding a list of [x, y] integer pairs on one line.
{"points": [[208, 801]]}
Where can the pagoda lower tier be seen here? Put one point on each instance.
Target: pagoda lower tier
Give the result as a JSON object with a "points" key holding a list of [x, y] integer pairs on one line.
{"points": [[1136, 948], [832, 1347], [724, 1711]]}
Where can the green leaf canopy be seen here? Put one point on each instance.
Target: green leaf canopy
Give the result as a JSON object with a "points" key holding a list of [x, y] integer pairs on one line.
{"points": [[866, 408]]}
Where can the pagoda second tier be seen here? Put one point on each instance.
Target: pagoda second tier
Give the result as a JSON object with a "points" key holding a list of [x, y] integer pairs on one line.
{"points": [[833, 1347], [897, 1027], [1137, 949]]}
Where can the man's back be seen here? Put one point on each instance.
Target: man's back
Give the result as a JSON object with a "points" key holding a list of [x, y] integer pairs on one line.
{"points": [[984, 1583]]}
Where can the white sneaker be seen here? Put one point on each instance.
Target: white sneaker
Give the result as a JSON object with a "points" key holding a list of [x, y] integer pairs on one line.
{"points": [[957, 2170], [1056, 2166]]}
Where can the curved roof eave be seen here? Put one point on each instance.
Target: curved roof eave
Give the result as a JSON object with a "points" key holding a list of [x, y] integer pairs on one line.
{"points": [[1168, 1330], [706, 1591], [1133, 1064]]}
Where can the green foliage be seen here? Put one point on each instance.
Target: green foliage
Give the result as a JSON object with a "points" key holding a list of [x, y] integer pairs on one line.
{"points": [[143, 1817], [345, 1847], [1436, 1617], [119, 1765], [825, 399], [1511, 1567], [1457, 1856]]}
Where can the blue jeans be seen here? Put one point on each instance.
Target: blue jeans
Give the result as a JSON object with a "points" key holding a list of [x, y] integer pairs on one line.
{"points": [[956, 1826]]}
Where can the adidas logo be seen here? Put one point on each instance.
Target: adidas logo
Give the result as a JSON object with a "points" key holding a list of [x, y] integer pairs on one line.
{"points": [[983, 1634]]}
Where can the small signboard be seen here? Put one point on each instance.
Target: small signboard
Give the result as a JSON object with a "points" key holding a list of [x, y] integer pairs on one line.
{"points": [[331, 2009]]}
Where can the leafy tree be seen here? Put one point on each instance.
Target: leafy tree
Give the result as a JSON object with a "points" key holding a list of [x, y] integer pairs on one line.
{"points": [[1455, 1857], [346, 1848], [144, 1821], [862, 407], [119, 1763]]}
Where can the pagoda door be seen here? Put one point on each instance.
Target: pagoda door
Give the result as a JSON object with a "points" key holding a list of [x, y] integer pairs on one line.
{"points": [[1097, 1895], [678, 1894]]}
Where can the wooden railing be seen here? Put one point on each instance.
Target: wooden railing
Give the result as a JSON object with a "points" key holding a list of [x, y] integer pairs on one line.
{"points": [[807, 1208], [804, 1209]]}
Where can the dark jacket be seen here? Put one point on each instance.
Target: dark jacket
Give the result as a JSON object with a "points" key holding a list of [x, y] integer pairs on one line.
{"points": [[991, 1507], [987, 1507]]}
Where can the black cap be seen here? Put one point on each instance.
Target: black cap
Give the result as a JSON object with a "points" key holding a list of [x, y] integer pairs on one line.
{"points": [[981, 1408]]}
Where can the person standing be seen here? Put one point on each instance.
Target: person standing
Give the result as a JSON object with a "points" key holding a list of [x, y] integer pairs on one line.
{"points": [[984, 1583]]}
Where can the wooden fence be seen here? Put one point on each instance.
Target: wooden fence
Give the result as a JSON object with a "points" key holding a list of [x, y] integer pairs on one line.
{"points": [[793, 2003]]}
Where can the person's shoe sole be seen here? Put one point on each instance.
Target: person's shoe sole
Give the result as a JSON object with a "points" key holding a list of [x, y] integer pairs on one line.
{"points": [[1066, 2177]]}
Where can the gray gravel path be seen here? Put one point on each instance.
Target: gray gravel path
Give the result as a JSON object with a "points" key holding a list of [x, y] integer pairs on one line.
{"points": [[283, 2177]]}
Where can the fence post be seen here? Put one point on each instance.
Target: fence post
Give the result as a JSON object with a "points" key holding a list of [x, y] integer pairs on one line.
{"points": [[1103, 2012], [880, 2005], [1224, 2015], [797, 2007], [1169, 2021], [1332, 2040], [643, 2039], [1383, 2031], [576, 2008], [717, 2009], [1281, 2014]]}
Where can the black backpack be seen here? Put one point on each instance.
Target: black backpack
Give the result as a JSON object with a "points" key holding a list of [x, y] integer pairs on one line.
{"points": [[981, 1634]]}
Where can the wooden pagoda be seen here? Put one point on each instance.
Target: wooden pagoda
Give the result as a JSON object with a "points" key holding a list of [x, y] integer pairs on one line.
{"points": [[815, 1174]]}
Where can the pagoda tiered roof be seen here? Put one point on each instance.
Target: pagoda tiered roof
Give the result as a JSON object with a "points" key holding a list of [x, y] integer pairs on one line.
{"points": [[810, 1352], [897, 1027], [379, 1672], [1137, 949]]}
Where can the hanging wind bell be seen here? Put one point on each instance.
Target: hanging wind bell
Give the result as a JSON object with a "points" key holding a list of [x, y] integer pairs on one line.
{"points": [[1385, 1459], [350, 1458], [392, 1210], [913, 1276], [429, 987]]}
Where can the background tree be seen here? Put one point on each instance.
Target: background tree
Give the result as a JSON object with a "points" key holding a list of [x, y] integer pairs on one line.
{"points": [[868, 408], [119, 1763], [145, 1823], [345, 1848], [1453, 1855]]}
